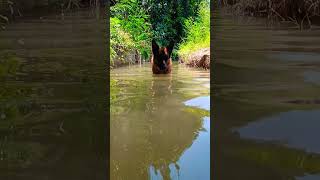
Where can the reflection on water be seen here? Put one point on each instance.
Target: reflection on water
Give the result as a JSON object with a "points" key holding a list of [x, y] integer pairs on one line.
{"points": [[51, 124], [266, 98], [309, 177], [192, 165], [296, 129], [312, 77], [200, 102], [154, 134], [296, 56]]}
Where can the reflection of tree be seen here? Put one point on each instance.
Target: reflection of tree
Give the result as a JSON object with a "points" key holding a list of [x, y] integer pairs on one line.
{"points": [[52, 105], [248, 158], [55, 134], [155, 131], [9, 64]]}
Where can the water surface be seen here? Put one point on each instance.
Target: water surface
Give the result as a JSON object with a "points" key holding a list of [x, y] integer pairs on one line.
{"points": [[296, 129], [266, 99], [160, 124], [52, 125]]}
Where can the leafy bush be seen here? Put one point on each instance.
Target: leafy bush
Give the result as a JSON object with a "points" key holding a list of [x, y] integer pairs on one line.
{"points": [[130, 29], [120, 41], [134, 23], [197, 30]]}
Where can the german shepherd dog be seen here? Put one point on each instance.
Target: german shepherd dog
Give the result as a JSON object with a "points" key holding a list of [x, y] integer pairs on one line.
{"points": [[161, 58]]}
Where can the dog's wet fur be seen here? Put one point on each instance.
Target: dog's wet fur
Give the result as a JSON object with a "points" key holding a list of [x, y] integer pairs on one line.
{"points": [[161, 58]]}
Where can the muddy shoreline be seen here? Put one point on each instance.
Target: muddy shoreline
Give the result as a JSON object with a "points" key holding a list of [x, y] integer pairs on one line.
{"points": [[198, 59], [12, 11]]}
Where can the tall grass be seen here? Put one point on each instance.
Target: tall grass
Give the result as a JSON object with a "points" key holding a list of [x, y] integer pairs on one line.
{"points": [[198, 32]]}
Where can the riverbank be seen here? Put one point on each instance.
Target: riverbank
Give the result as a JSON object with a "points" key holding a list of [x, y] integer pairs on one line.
{"points": [[17, 9], [126, 58], [303, 13], [194, 50], [199, 59]]}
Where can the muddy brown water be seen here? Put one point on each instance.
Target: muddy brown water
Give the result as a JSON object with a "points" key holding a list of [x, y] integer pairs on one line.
{"points": [[160, 124], [52, 93], [266, 100]]}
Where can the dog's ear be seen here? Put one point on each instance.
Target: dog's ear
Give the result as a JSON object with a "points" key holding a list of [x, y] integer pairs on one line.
{"points": [[169, 48], [155, 47]]}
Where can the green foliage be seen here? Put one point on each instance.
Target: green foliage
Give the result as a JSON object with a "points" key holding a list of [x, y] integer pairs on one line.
{"points": [[167, 18], [134, 23], [197, 30], [120, 41], [130, 28]]}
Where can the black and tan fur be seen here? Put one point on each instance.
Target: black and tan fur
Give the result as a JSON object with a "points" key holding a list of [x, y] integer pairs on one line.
{"points": [[161, 58]]}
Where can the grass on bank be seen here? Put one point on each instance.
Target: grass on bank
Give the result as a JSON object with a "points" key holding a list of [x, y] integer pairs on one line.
{"points": [[198, 32]]}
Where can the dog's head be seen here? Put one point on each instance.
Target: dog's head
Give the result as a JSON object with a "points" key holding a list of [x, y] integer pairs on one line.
{"points": [[161, 56]]}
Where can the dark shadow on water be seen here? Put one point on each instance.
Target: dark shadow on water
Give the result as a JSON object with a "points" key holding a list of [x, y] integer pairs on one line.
{"points": [[52, 125]]}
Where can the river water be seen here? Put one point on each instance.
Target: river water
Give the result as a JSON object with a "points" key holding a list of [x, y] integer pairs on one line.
{"points": [[266, 100], [52, 97], [160, 124]]}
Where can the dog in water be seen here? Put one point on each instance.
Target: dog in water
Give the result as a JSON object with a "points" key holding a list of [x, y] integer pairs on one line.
{"points": [[161, 58]]}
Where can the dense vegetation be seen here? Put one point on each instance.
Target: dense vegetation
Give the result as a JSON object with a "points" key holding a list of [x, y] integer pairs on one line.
{"points": [[198, 32], [130, 30], [134, 23]]}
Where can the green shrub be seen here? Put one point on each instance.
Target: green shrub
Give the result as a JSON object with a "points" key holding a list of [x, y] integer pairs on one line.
{"points": [[130, 29], [120, 41], [197, 30]]}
